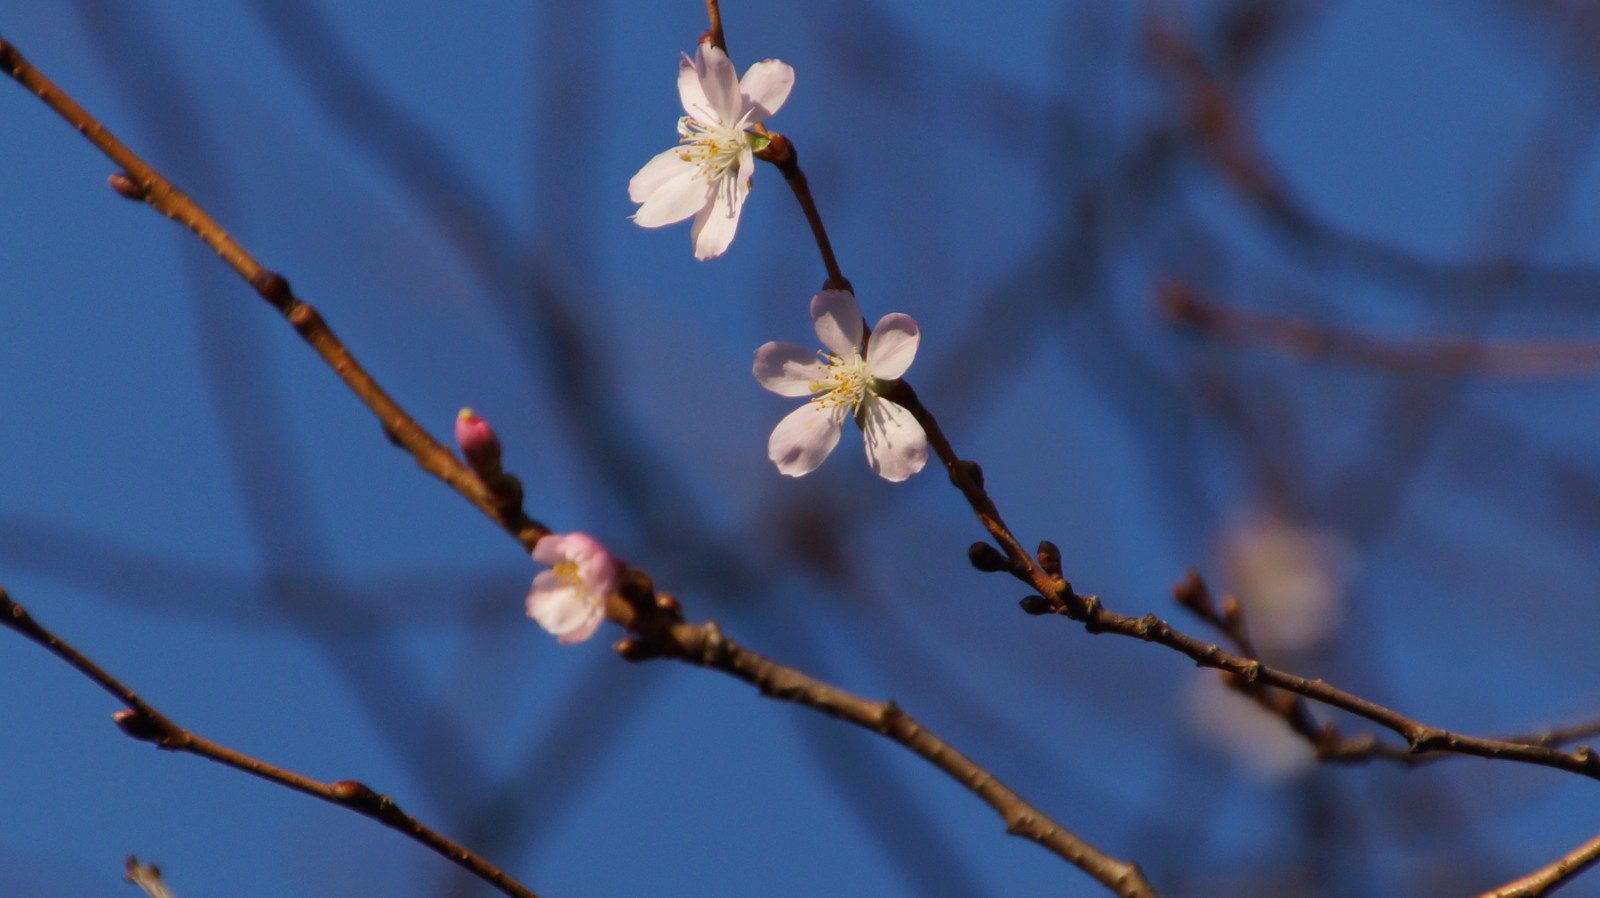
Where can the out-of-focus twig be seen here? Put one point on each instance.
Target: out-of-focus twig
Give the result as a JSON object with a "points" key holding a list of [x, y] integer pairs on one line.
{"points": [[1547, 879], [140, 721], [1433, 355], [668, 635], [146, 877]]}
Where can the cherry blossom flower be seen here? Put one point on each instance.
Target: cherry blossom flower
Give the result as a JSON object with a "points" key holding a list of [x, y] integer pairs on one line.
{"points": [[569, 600], [708, 174], [844, 383]]}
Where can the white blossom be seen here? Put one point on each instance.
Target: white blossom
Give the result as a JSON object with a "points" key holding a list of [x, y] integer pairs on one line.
{"points": [[844, 383], [708, 174], [569, 600]]}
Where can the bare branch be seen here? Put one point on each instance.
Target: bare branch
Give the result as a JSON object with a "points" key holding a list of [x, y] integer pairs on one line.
{"points": [[141, 721]]}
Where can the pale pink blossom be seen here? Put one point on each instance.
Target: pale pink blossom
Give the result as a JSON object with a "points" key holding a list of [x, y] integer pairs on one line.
{"points": [[707, 175], [840, 382], [569, 600]]}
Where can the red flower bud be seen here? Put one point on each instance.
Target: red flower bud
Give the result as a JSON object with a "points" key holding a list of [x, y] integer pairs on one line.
{"points": [[478, 444]]}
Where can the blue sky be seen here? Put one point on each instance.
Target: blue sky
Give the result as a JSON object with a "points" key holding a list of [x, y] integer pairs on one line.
{"points": [[193, 500]]}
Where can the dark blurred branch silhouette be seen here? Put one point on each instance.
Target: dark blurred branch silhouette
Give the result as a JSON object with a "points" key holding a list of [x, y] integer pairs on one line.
{"points": [[1064, 284], [1422, 356]]}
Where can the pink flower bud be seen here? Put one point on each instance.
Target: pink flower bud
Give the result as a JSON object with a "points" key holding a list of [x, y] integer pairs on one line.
{"points": [[478, 444]]}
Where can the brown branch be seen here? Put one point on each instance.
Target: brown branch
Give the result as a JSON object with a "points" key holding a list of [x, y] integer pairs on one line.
{"points": [[1420, 737], [141, 721], [1548, 879], [138, 180], [662, 633], [714, 33], [1434, 355], [780, 152], [646, 613]]}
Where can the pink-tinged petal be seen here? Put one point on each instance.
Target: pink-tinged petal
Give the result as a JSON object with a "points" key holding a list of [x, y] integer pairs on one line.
{"points": [[787, 369], [804, 438], [674, 201], [765, 86], [837, 319], [893, 346], [661, 168], [565, 613], [896, 445], [716, 224], [690, 93], [550, 550], [720, 82]]}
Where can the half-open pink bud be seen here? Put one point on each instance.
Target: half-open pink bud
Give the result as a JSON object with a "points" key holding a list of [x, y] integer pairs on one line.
{"points": [[479, 445]]}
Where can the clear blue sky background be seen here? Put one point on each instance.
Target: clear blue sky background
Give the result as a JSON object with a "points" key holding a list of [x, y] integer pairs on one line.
{"points": [[192, 499]]}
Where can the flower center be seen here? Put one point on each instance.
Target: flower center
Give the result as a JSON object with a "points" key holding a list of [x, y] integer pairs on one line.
{"points": [[846, 382], [712, 147], [567, 575]]}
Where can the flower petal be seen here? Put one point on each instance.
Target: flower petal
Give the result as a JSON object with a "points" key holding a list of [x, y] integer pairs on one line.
{"points": [[690, 93], [837, 319], [720, 83], [787, 369], [677, 199], [564, 612], [765, 86], [661, 168], [893, 346], [804, 438], [716, 224], [896, 445]]}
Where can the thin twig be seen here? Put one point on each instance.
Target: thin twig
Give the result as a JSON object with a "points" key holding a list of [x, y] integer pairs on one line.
{"points": [[702, 645], [663, 634], [714, 15], [138, 180], [143, 722], [780, 152], [1546, 880], [1420, 737]]}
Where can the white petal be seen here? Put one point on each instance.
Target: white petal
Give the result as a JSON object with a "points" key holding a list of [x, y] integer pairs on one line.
{"points": [[674, 201], [837, 319], [804, 438], [562, 611], [716, 224], [765, 86], [720, 83], [690, 93], [787, 369], [661, 168], [893, 346], [896, 445]]}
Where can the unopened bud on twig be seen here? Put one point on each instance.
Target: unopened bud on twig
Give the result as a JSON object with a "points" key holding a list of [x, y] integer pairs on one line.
{"points": [[125, 186], [481, 448], [479, 445], [136, 725], [1049, 558], [1035, 605], [987, 558]]}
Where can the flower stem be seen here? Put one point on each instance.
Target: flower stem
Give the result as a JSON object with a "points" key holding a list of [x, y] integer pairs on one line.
{"points": [[780, 152]]}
